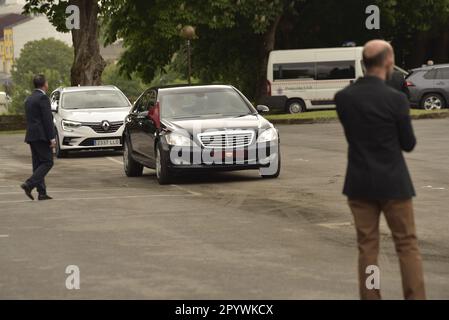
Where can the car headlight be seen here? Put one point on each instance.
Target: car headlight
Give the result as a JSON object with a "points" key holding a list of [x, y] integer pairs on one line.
{"points": [[68, 125], [179, 140], [268, 135]]}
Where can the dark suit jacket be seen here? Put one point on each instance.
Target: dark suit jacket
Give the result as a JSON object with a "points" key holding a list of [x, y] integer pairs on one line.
{"points": [[377, 125], [397, 81], [40, 126]]}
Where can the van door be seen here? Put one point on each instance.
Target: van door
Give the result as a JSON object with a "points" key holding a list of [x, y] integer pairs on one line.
{"points": [[332, 76]]}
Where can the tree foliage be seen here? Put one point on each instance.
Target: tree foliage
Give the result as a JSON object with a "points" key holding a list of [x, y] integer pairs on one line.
{"points": [[54, 59]]}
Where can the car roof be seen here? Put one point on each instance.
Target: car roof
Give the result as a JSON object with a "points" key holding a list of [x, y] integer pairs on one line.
{"points": [[436, 66], [87, 88], [192, 88]]}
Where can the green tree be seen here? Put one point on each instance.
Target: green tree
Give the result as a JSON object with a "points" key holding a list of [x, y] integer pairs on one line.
{"points": [[132, 86], [235, 36], [54, 60], [87, 65]]}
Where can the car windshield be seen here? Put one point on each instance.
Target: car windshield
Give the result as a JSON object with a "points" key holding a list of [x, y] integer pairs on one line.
{"points": [[93, 99], [177, 105]]}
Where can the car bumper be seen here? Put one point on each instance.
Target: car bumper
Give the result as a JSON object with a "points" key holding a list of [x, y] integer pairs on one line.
{"points": [[200, 159], [85, 138]]}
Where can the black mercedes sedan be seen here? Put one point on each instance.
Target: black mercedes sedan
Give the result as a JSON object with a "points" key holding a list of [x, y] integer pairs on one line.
{"points": [[181, 129]]}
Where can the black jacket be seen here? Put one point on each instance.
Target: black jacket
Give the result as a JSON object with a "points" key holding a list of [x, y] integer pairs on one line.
{"points": [[377, 125], [40, 126], [397, 81]]}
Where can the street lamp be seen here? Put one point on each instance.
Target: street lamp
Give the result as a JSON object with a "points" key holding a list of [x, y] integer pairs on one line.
{"points": [[188, 33]]}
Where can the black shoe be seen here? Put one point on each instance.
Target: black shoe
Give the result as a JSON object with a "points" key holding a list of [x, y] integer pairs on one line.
{"points": [[27, 190], [44, 197]]}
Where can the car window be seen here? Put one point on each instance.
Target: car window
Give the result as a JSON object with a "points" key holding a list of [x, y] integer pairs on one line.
{"points": [[335, 70], [443, 73], [202, 103], [430, 75], [55, 96], [94, 99], [141, 104], [290, 71]]}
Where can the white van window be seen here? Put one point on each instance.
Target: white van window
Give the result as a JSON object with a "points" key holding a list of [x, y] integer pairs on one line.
{"points": [[334, 70], [290, 71]]}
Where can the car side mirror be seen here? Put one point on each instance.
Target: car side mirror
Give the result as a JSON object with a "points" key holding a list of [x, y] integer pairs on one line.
{"points": [[54, 106], [262, 109]]}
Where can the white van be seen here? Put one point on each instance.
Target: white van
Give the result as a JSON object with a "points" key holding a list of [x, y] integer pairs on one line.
{"points": [[300, 80]]}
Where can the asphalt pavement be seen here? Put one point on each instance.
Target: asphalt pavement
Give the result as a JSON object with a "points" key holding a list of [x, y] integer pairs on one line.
{"points": [[213, 236]]}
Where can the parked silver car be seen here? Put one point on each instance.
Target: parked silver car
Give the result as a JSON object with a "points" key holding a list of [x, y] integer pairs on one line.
{"points": [[429, 87]]}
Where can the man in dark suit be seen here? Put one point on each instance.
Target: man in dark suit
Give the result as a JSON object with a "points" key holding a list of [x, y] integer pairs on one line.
{"points": [[378, 129], [40, 135]]}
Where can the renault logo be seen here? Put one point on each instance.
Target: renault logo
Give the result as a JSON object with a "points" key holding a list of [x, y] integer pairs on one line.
{"points": [[105, 125]]}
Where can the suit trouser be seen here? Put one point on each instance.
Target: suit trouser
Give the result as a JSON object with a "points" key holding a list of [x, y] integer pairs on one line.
{"points": [[400, 219], [42, 157]]}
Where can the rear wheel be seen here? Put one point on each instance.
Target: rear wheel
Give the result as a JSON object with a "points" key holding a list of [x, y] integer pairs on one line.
{"points": [[163, 173], [58, 152], [131, 166], [433, 101], [295, 106]]}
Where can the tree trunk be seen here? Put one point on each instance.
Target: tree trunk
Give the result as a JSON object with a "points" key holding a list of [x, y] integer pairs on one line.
{"points": [[268, 43], [88, 64]]}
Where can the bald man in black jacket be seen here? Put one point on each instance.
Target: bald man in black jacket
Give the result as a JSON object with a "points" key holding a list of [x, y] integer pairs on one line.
{"points": [[378, 128], [40, 135]]}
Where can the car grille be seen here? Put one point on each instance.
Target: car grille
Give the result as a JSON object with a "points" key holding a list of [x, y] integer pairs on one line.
{"points": [[226, 139], [98, 127]]}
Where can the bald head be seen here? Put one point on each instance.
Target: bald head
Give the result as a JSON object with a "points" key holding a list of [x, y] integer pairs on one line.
{"points": [[378, 56], [376, 52]]}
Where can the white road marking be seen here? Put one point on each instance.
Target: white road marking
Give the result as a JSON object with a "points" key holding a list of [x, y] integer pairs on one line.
{"points": [[105, 198], [302, 160], [186, 190], [115, 160], [75, 190], [433, 188], [335, 225], [4, 235]]}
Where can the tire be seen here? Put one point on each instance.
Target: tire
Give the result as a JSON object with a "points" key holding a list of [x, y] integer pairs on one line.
{"points": [[295, 106], [58, 152], [433, 101], [278, 170], [132, 167], [163, 173]]}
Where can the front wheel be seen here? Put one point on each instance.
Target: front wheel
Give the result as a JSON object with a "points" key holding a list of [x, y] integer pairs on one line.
{"points": [[163, 173], [274, 170], [131, 166], [58, 152]]}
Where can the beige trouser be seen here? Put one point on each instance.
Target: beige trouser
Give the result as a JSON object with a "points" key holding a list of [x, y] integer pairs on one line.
{"points": [[399, 217]]}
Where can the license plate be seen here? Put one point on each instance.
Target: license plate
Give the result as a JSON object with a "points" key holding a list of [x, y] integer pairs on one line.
{"points": [[108, 142]]}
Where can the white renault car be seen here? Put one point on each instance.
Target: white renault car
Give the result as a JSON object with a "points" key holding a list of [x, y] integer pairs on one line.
{"points": [[88, 118]]}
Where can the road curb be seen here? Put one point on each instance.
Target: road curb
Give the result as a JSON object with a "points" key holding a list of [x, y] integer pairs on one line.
{"points": [[432, 115]]}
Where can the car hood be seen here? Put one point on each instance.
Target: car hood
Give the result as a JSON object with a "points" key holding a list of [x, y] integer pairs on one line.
{"points": [[95, 115], [251, 121]]}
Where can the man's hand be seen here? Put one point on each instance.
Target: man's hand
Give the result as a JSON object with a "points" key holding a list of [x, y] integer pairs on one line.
{"points": [[53, 143]]}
